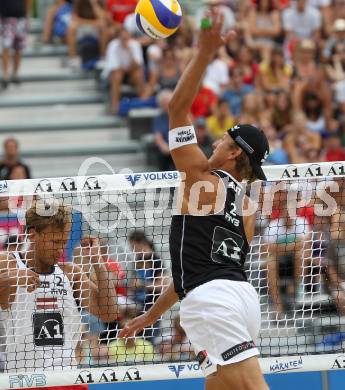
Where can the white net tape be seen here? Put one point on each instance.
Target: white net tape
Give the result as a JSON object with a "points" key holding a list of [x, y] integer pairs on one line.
{"points": [[59, 324]]}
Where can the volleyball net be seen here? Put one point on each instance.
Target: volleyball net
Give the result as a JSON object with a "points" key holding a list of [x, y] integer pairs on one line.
{"points": [[59, 324]]}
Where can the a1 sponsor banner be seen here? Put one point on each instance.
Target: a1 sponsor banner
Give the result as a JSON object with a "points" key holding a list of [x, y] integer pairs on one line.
{"points": [[91, 376], [86, 184], [167, 371], [338, 362], [305, 171], [117, 182]]}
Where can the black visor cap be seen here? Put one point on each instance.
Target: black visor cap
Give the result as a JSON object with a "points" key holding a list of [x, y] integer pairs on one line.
{"points": [[254, 143]]}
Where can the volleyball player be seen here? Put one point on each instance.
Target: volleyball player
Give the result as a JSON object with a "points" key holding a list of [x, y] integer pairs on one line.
{"points": [[219, 310], [42, 320]]}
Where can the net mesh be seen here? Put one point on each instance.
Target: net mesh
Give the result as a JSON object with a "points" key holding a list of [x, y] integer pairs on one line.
{"points": [[67, 316]]}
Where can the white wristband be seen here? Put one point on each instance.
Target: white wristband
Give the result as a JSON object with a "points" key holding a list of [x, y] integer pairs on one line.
{"points": [[182, 136]]}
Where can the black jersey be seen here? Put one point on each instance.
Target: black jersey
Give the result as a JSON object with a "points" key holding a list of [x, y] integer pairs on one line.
{"points": [[204, 248]]}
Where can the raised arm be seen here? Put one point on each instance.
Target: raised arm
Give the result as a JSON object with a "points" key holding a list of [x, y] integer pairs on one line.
{"points": [[187, 156]]}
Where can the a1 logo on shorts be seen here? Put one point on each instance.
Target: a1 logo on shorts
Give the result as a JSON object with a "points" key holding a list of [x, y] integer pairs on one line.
{"points": [[48, 329], [226, 246]]}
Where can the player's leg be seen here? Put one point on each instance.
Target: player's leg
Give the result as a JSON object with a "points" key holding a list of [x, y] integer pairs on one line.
{"points": [[244, 375]]}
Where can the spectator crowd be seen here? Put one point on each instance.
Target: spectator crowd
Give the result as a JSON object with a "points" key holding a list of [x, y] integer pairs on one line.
{"points": [[285, 73]]}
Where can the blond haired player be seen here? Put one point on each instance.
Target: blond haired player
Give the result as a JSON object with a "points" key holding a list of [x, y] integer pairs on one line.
{"points": [[220, 310], [41, 306]]}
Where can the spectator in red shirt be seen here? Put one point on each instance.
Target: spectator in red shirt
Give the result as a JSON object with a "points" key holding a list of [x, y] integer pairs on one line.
{"points": [[245, 62], [120, 9], [204, 102], [333, 150]]}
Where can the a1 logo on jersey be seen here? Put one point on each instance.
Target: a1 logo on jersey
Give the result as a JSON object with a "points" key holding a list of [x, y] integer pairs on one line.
{"points": [[48, 329], [226, 246]]}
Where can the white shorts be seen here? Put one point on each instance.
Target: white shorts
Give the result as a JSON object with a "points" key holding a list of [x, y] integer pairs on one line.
{"points": [[222, 320]]}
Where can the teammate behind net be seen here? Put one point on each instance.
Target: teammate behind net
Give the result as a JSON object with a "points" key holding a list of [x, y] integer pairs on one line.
{"points": [[41, 303], [220, 310]]}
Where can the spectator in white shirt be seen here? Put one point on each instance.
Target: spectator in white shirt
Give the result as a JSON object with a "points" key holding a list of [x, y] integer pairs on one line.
{"points": [[302, 21], [124, 58], [325, 8], [217, 76]]}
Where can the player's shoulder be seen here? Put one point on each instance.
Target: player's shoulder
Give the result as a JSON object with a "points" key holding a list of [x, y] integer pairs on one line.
{"points": [[206, 177], [231, 184]]}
